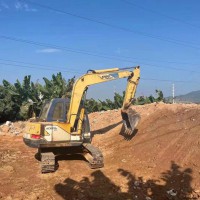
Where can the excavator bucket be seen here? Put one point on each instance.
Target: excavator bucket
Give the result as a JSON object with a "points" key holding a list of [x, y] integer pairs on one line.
{"points": [[130, 119]]}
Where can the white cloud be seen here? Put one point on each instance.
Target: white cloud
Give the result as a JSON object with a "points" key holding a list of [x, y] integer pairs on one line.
{"points": [[28, 9], [24, 7], [18, 5], [48, 50]]}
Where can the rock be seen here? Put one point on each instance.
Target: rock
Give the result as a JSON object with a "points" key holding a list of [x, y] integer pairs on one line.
{"points": [[172, 192], [8, 169], [135, 197], [94, 121], [8, 123], [149, 191], [148, 198], [16, 133], [136, 183]]}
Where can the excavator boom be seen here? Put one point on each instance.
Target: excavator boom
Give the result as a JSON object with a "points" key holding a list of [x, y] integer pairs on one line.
{"points": [[100, 76]]}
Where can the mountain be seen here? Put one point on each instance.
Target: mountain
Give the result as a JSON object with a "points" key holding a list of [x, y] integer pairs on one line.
{"points": [[192, 97]]}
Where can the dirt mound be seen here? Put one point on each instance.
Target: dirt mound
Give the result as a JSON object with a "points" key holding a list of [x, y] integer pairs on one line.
{"points": [[159, 161], [13, 129]]}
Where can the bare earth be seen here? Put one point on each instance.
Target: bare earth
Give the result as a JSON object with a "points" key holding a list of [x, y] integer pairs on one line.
{"points": [[160, 161]]}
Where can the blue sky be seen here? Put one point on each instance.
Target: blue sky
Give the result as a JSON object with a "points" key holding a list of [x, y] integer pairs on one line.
{"points": [[157, 35]]}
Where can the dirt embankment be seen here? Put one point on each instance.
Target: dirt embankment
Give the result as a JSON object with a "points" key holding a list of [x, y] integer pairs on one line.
{"points": [[159, 161]]}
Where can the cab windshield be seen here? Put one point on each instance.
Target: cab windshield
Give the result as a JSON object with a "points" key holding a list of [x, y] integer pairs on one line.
{"points": [[43, 113]]}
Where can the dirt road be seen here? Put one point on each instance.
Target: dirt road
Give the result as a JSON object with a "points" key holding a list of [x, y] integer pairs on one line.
{"points": [[160, 161]]}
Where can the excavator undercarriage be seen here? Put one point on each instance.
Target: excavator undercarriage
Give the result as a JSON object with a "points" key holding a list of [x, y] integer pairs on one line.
{"points": [[49, 162], [93, 155]]}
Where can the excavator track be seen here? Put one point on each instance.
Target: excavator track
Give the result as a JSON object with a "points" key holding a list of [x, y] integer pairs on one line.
{"points": [[48, 162], [93, 155]]}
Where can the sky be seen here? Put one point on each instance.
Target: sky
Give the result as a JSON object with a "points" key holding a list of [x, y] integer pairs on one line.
{"points": [[39, 38]]}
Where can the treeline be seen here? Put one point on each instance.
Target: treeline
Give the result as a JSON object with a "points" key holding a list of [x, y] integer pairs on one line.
{"points": [[92, 105], [22, 100]]}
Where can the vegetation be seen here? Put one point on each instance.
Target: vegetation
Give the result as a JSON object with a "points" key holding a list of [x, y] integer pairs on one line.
{"points": [[93, 105], [20, 101]]}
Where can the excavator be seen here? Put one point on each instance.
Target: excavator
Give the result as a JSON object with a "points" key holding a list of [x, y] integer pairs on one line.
{"points": [[63, 125]]}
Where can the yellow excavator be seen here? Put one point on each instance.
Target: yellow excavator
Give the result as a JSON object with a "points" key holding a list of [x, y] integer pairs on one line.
{"points": [[63, 125]]}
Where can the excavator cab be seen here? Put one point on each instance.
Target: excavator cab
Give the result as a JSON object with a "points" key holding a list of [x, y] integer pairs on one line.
{"points": [[54, 110]]}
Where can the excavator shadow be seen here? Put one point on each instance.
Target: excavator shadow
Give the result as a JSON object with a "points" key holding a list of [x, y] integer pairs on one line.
{"points": [[175, 183], [105, 129], [82, 157], [70, 153], [110, 127], [69, 157]]}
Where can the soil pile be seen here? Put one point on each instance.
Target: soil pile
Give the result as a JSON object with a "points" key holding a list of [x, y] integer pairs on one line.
{"points": [[159, 161]]}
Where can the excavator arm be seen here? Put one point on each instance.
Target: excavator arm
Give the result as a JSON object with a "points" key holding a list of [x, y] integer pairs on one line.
{"points": [[130, 116], [100, 76]]}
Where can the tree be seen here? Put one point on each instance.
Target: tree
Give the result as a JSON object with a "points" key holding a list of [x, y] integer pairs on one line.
{"points": [[92, 105], [9, 108], [118, 100], [20, 101], [24, 96], [160, 95], [57, 87]]}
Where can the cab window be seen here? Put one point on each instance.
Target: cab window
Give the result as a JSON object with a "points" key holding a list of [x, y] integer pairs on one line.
{"points": [[43, 113], [58, 111]]}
